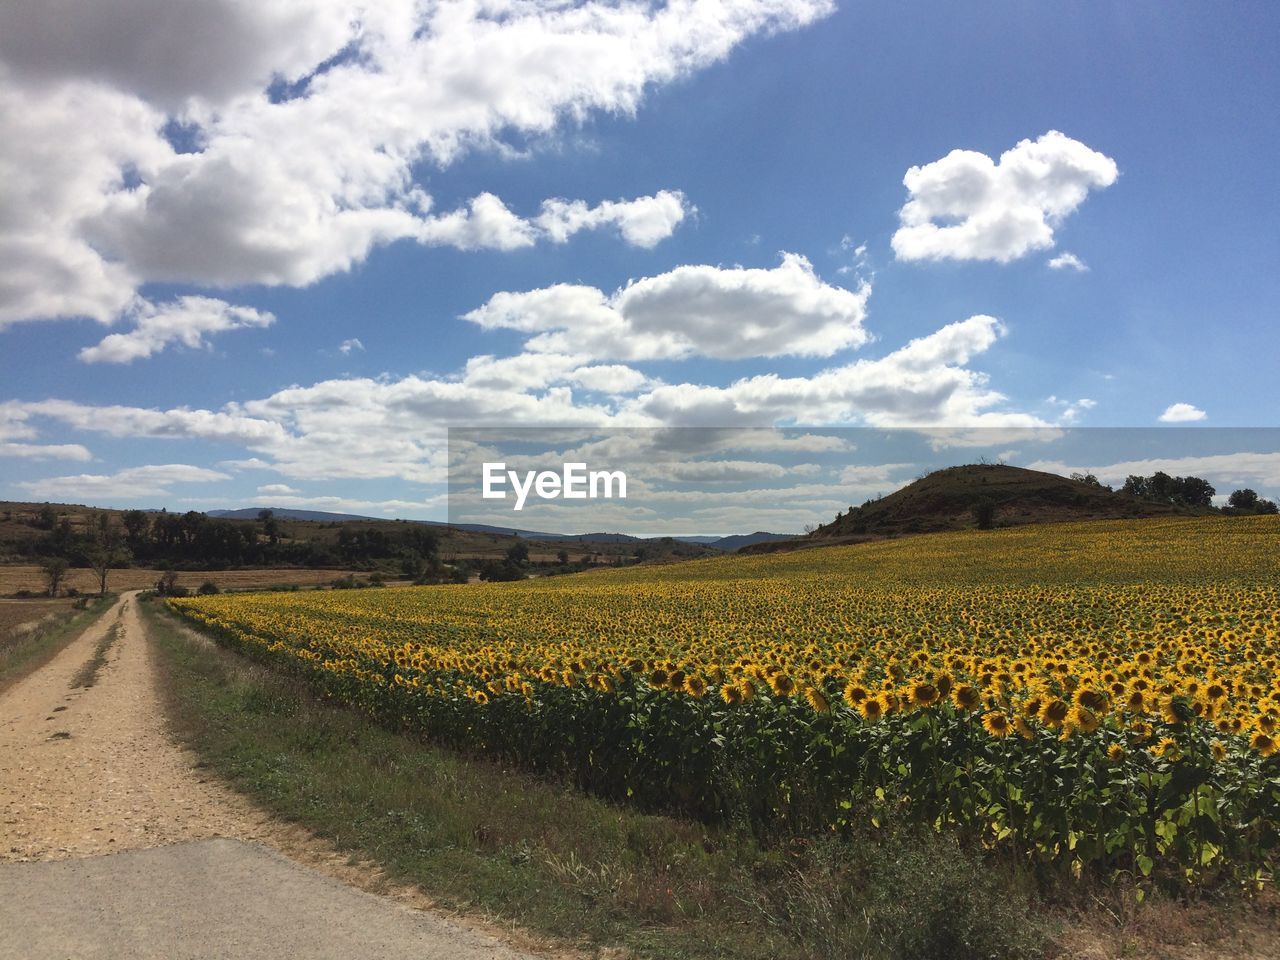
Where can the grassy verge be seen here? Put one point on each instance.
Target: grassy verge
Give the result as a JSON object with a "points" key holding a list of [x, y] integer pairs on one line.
{"points": [[24, 654], [479, 837]]}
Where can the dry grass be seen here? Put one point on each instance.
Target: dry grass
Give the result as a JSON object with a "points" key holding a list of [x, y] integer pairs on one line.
{"points": [[15, 577], [1164, 929], [18, 617]]}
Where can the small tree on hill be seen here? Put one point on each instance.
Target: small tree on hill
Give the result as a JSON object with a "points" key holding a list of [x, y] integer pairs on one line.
{"points": [[984, 512]]}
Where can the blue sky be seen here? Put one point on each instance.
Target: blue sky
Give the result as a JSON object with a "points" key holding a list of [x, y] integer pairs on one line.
{"points": [[740, 164]]}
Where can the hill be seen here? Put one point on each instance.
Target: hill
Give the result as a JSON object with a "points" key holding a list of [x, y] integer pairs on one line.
{"points": [[946, 499], [738, 541]]}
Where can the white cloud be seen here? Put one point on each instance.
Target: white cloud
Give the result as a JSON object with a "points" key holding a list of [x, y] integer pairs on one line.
{"points": [[727, 313], [276, 489], [1071, 409], [968, 207], [365, 428], [1182, 413], [614, 379], [347, 347], [642, 222], [186, 321], [45, 451], [228, 142], [152, 480], [719, 471], [1068, 261], [924, 383], [146, 46]]}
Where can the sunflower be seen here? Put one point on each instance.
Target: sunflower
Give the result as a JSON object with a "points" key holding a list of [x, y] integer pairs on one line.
{"points": [[1025, 730], [1264, 743], [1219, 750], [731, 693], [1167, 748], [1083, 719], [1092, 699], [782, 685], [694, 685], [965, 697], [747, 689], [817, 700], [923, 694], [1115, 753], [1055, 712], [1175, 709], [658, 678], [855, 693], [997, 724], [872, 708]]}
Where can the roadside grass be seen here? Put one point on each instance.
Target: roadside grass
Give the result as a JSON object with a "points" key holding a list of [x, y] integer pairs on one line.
{"points": [[481, 838], [23, 654]]}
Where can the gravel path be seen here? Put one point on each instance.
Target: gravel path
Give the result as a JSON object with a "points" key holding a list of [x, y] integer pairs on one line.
{"points": [[90, 770]]}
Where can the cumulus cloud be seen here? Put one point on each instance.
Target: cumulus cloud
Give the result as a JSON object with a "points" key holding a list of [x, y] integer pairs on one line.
{"points": [[925, 383], [367, 428], [186, 321], [229, 142], [967, 206], [1068, 261], [726, 313], [276, 489], [45, 451], [154, 480], [1182, 413], [642, 222], [347, 347]]}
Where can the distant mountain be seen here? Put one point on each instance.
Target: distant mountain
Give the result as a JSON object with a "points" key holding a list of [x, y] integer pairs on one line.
{"points": [[288, 513], [285, 513], [748, 539]]}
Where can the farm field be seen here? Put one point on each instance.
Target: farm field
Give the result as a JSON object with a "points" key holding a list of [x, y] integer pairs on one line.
{"points": [[1099, 697], [15, 577]]}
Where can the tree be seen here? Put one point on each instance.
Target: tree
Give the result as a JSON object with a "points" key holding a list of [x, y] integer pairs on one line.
{"points": [[563, 557], [106, 551], [54, 569], [1245, 499], [1089, 478], [984, 512], [136, 526], [270, 529], [518, 552], [167, 585], [46, 518], [1195, 492]]}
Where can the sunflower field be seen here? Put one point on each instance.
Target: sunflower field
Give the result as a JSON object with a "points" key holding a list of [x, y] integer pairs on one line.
{"points": [[1097, 697]]}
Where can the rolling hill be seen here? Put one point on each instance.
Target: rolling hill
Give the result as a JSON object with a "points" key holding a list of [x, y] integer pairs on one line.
{"points": [[945, 500]]}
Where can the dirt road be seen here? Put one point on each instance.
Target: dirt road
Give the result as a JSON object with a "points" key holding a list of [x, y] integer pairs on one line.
{"points": [[87, 769]]}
